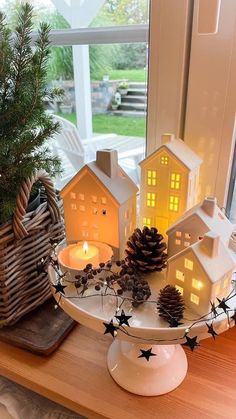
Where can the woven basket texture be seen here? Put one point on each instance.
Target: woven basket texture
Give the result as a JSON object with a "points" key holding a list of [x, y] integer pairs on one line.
{"points": [[24, 241]]}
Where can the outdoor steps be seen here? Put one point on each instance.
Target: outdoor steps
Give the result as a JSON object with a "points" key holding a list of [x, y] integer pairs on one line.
{"points": [[135, 102]]}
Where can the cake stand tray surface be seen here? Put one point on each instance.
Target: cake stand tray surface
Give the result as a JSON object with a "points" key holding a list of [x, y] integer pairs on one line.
{"points": [[166, 369]]}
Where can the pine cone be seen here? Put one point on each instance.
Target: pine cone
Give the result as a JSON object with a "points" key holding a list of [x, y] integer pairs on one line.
{"points": [[145, 250], [170, 304]]}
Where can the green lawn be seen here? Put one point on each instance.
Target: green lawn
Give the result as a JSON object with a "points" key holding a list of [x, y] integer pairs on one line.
{"points": [[121, 125], [138, 75]]}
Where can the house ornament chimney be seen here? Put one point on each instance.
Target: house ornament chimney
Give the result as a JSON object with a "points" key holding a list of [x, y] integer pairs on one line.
{"points": [[107, 161], [210, 244], [166, 138], [209, 205]]}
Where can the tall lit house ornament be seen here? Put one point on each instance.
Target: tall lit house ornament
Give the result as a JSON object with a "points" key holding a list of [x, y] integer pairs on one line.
{"points": [[202, 272], [196, 222], [169, 183], [100, 203]]}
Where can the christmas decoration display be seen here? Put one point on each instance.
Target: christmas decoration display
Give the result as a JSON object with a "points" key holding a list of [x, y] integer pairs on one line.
{"points": [[196, 222], [24, 124], [202, 272], [100, 203], [171, 305], [146, 250], [169, 183]]}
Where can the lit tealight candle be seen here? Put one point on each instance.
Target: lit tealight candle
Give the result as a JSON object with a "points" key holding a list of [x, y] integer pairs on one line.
{"points": [[82, 254]]}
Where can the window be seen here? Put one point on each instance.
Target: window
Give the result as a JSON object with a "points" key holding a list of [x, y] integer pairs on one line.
{"points": [[187, 236], [188, 264], [151, 199], [94, 199], [81, 196], [179, 275], [174, 203], [197, 284], [194, 299], [180, 289], [73, 195], [95, 211], [104, 200], [147, 222], [178, 242], [152, 175], [82, 208], [104, 211], [164, 160], [178, 234], [175, 181], [186, 244], [73, 206]]}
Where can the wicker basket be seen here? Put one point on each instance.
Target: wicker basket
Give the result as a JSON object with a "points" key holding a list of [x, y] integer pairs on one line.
{"points": [[24, 241]]}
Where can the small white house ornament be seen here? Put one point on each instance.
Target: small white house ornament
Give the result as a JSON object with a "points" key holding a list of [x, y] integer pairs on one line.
{"points": [[202, 272], [196, 222], [169, 183], [100, 203]]}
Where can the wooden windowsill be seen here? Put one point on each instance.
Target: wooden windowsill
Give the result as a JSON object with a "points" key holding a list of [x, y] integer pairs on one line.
{"points": [[76, 376]]}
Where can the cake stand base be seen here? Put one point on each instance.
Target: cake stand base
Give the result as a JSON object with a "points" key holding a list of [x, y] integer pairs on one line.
{"points": [[161, 374]]}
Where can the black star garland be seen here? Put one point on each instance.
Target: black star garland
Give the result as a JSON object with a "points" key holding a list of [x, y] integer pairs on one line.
{"points": [[223, 305], [59, 288], [110, 328], [191, 342], [213, 309], [234, 316], [123, 319], [211, 331], [146, 354]]}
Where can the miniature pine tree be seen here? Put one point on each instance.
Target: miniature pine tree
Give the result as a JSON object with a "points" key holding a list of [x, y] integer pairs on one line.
{"points": [[24, 124]]}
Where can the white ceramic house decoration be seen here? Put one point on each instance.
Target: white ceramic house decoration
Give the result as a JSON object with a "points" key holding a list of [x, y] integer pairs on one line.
{"points": [[202, 272], [196, 222], [100, 203], [169, 183]]}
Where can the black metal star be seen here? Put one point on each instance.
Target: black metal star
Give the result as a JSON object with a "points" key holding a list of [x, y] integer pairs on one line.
{"points": [[174, 323], [191, 342], [234, 316], [123, 319], [223, 305], [59, 288], [213, 309], [211, 331], [146, 354], [110, 328]]}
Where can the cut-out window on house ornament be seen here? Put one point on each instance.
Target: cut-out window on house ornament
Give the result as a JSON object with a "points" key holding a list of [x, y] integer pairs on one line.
{"points": [[186, 244], [82, 208], [178, 234], [95, 211], [164, 160], [73, 195], [175, 181], [73, 206], [188, 264], [179, 275], [187, 236], [151, 199], [146, 222], [196, 284], [194, 299], [104, 211], [178, 242], [152, 177], [94, 199], [81, 196], [174, 203], [180, 289], [104, 200]]}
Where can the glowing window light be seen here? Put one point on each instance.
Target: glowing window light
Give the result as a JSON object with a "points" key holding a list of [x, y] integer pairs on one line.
{"points": [[175, 181], [188, 264], [179, 275], [152, 177], [174, 203], [151, 199], [194, 299], [197, 284], [178, 234], [147, 222], [180, 289], [164, 160]]}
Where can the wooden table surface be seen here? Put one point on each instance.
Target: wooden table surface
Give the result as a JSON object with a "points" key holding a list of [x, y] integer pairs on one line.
{"points": [[76, 376]]}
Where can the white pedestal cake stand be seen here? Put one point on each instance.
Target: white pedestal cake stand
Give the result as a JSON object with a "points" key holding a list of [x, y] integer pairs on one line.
{"points": [[165, 370]]}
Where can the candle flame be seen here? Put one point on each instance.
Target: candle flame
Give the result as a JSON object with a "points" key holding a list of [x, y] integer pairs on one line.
{"points": [[85, 247]]}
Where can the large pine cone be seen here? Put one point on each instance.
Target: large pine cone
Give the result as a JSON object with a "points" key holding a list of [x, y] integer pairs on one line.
{"points": [[146, 251], [170, 304]]}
